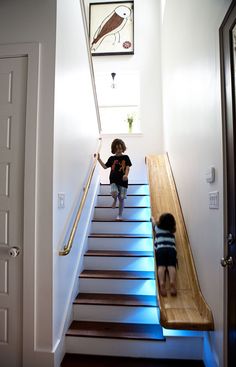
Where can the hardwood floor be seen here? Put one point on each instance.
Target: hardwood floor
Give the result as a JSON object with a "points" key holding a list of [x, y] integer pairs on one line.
{"points": [[73, 360]]}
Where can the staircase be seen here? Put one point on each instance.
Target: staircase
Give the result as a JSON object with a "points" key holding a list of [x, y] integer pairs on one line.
{"points": [[115, 312]]}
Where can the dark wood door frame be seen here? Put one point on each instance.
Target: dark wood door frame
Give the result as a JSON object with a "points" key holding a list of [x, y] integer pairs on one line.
{"points": [[229, 146]]}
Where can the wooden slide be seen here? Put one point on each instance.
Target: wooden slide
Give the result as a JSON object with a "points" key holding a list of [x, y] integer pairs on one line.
{"points": [[187, 311]]}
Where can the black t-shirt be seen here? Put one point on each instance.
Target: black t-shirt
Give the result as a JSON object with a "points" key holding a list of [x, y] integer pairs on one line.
{"points": [[118, 164]]}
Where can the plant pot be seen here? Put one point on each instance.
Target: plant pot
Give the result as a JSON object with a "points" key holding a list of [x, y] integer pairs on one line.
{"points": [[130, 126]]}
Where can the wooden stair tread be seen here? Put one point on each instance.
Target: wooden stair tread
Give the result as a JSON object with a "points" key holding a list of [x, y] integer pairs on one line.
{"points": [[130, 184], [116, 299], [111, 253], [126, 195], [127, 207], [115, 330], [124, 220], [83, 360], [115, 274], [117, 235]]}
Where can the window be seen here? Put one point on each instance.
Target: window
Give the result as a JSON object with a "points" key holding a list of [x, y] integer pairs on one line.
{"points": [[118, 100]]}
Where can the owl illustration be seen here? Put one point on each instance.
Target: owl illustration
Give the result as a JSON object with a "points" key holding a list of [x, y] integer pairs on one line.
{"points": [[112, 24]]}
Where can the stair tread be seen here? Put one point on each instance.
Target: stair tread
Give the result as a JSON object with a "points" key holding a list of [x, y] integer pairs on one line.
{"points": [[118, 235], [125, 207], [83, 360], [115, 330], [130, 184], [121, 221], [115, 274], [110, 253], [116, 299], [126, 195]]}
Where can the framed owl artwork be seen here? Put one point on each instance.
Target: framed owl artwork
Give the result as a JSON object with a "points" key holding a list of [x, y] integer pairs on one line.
{"points": [[111, 28]]}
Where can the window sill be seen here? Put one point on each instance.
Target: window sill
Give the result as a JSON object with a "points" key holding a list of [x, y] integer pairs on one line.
{"points": [[127, 135]]}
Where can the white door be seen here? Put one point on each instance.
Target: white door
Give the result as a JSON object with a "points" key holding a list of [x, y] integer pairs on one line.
{"points": [[13, 78]]}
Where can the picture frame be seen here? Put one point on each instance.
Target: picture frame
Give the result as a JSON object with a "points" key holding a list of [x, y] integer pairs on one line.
{"points": [[111, 28]]}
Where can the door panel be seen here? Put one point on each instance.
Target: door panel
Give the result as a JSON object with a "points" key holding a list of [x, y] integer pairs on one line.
{"points": [[228, 68], [13, 77]]}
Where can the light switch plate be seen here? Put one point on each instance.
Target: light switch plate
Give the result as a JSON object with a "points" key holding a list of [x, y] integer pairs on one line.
{"points": [[214, 200], [61, 200]]}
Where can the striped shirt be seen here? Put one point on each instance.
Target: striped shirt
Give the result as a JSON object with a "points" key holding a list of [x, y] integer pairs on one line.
{"points": [[163, 239]]}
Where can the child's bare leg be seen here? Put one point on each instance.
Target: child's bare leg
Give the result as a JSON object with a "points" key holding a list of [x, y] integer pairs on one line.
{"points": [[114, 195], [172, 276], [162, 280], [121, 206]]}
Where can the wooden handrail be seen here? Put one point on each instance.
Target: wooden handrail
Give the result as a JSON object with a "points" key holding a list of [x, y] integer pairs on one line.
{"points": [[68, 246]]}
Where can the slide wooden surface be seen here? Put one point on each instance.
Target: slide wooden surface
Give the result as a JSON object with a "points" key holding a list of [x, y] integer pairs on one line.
{"points": [[188, 310]]}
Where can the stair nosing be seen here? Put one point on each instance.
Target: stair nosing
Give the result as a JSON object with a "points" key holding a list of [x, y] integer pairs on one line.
{"points": [[119, 300], [125, 207], [130, 184], [117, 235], [126, 195], [112, 326], [120, 221], [111, 253], [116, 274]]}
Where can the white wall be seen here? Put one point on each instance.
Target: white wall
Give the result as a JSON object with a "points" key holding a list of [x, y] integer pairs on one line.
{"points": [[193, 135], [146, 60], [35, 21], [64, 153], [75, 141]]}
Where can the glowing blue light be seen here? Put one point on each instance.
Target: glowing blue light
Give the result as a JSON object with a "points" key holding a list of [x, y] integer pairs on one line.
{"points": [[139, 264], [146, 287]]}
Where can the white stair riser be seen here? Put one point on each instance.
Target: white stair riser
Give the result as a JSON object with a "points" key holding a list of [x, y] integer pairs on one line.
{"points": [[173, 348], [118, 286], [121, 244], [119, 263], [129, 201], [128, 213], [122, 227], [132, 189], [145, 315]]}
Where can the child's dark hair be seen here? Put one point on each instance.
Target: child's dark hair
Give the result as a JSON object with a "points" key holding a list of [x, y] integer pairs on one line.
{"points": [[115, 143], [167, 222]]}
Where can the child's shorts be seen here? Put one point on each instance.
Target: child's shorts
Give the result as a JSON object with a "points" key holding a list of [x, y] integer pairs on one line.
{"points": [[120, 190], [166, 257]]}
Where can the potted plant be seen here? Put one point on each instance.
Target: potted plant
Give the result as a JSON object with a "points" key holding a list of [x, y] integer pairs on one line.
{"points": [[130, 120]]}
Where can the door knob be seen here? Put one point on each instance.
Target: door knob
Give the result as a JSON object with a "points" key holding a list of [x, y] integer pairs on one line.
{"points": [[14, 251], [227, 261]]}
